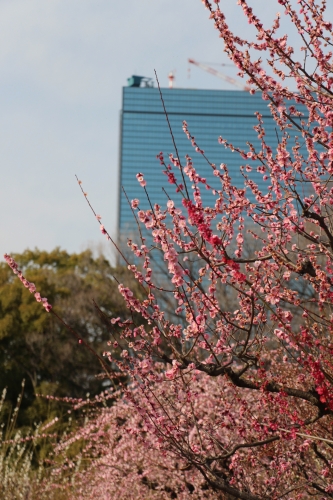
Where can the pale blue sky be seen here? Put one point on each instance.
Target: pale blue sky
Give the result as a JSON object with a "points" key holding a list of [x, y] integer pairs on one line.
{"points": [[62, 66]]}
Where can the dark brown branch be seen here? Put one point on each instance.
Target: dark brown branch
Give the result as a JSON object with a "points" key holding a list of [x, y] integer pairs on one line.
{"points": [[214, 371], [243, 445], [222, 486], [245, 261], [171, 133], [322, 224]]}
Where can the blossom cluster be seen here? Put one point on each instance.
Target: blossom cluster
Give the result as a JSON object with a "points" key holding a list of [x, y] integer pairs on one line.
{"points": [[248, 285], [29, 285]]}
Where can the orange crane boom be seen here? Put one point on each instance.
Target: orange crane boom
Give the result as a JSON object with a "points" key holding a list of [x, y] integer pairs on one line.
{"points": [[214, 72]]}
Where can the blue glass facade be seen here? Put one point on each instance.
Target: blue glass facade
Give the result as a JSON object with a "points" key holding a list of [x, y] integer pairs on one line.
{"points": [[209, 114]]}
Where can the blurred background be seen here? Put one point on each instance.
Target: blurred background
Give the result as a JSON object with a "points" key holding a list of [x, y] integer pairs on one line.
{"points": [[62, 67]]}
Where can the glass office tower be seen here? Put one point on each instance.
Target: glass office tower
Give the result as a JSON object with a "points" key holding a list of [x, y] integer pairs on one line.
{"points": [[209, 114]]}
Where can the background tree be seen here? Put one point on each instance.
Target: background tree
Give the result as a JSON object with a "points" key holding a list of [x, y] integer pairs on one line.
{"points": [[34, 346]]}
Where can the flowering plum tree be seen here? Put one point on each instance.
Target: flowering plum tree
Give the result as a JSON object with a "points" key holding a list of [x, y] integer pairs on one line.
{"points": [[119, 458], [244, 395]]}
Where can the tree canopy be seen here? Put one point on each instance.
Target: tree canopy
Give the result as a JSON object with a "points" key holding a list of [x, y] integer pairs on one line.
{"points": [[34, 346]]}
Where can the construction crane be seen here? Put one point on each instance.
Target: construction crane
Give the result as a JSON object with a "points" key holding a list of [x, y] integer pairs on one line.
{"points": [[214, 72]]}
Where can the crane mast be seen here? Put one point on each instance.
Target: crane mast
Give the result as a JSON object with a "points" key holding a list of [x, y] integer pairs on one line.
{"points": [[214, 72]]}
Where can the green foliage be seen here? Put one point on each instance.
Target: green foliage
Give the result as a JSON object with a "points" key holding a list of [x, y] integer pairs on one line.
{"points": [[35, 346]]}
